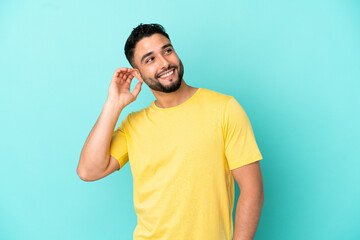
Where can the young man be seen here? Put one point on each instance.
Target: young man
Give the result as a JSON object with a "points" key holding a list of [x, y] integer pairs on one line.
{"points": [[184, 149]]}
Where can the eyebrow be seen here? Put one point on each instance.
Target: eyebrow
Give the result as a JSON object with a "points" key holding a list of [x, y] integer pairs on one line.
{"points": [[149, 53]]}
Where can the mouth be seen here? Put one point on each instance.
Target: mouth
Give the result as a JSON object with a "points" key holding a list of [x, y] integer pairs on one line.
{"points": [[168, 74]]}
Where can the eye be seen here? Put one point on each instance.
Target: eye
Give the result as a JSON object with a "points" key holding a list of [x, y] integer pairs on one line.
{"points": [[149, 60], [169, 50]]}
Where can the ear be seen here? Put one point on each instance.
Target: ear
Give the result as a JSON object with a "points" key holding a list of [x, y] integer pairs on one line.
{"points": [[135, 72]]}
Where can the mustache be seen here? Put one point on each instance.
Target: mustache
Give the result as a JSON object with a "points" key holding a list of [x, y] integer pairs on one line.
{"points": [[170, 67]]}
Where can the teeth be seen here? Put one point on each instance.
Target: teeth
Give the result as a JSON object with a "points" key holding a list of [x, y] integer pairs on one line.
{"points": [[168, 74]]}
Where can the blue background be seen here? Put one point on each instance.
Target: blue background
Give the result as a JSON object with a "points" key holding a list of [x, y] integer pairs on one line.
{"points": [[294, 66]]}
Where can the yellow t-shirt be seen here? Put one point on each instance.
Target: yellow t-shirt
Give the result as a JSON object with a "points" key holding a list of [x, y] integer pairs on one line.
{"points": [[180, 159]]}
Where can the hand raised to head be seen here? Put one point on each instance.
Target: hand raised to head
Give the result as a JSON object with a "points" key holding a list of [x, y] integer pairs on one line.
{"points": [[119, 89]]}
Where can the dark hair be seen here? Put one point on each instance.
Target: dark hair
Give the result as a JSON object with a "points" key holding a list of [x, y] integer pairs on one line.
{"points": [[138, 33]]}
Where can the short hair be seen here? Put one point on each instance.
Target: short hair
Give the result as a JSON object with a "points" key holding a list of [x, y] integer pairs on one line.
{"points": [[138, 33]]}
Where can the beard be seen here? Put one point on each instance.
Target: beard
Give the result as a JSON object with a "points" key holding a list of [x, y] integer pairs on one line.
{"points": [[156, 85]]}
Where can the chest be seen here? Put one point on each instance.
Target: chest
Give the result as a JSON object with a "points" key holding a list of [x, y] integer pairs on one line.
{"points": [[168, 146]]}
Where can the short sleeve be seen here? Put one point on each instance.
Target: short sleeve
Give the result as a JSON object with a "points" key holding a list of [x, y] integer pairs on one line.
{"points": [[240, 144], [118, 144]]}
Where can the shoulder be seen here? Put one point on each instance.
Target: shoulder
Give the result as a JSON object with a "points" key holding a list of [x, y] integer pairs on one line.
{"points": [[216, 97], [227, 105]]}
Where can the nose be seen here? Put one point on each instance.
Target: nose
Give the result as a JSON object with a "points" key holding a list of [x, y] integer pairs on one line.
{"points": [[164, 63]]}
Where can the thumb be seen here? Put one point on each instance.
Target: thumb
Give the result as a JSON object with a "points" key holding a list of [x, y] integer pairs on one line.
{"points": [[137, 89]]}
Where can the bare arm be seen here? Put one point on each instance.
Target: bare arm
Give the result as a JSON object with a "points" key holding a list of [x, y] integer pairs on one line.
{"points": [[95, 160], [250, 201]]}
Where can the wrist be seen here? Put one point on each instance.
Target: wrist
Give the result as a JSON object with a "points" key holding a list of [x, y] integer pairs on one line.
{"points": [[114, 105]]}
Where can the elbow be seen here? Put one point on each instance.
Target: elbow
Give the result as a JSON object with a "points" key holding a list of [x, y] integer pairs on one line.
{"points": [[83, 174]]}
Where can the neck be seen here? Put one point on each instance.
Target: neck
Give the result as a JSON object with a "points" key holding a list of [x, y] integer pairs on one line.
{"points": [[167, 100]]}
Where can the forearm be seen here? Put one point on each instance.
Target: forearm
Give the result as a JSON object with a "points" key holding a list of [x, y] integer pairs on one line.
{"points": [[95, 153], [247, 214]]}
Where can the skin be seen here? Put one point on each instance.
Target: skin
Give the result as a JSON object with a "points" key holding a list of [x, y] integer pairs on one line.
{"points": [[169, 93], [160, 61], [250, 201]]}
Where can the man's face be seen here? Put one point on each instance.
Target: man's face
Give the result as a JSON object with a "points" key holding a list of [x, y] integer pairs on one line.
{"points": [[158, 64]]}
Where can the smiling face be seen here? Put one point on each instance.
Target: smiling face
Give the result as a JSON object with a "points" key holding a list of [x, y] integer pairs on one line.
{"points": [[157, 64]]}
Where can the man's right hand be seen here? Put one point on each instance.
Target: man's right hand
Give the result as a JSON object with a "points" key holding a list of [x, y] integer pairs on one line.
{"points": [[119, 90]]}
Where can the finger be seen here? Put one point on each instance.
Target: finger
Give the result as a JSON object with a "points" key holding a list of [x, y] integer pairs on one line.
{"points": [[125, 76], [119, 79], [122, 69], [127, 80], [137, 89], [118, 71], [121, 75], [133, 71], [129, 77]]}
